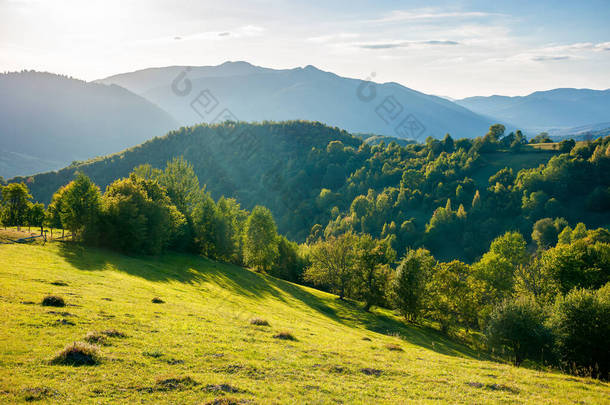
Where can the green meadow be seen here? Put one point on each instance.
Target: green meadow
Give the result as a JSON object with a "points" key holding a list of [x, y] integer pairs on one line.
{"points": [[198, 344]]}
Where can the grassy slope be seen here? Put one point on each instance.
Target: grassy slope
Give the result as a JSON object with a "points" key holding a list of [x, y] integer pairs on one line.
{"points": [[203, 331], [492, 162]]}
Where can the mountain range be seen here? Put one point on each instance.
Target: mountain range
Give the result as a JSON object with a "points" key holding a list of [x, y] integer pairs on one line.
{"points": [[241, 91], [48, 121], [559, 110]]}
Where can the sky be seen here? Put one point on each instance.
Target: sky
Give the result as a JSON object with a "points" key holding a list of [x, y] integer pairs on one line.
{"points": [[448, 48]]}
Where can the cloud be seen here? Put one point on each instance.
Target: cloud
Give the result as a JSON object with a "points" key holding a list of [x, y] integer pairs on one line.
{"points": [[429, 14], [340, 37], [241, 32], [544, 58], [405, 44]]}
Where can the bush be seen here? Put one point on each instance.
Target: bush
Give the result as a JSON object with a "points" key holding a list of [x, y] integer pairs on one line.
{"points": [[259, 322], [78, 354], [53, 301], [174, 383], [581, 324], [284, 336], [518, 324], [393, 347], [96, 338], [113, 333]]}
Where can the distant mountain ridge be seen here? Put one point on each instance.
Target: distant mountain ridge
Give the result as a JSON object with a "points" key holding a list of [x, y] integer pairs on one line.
{"points": [[557, 109], [48, 121], [253, 93]]}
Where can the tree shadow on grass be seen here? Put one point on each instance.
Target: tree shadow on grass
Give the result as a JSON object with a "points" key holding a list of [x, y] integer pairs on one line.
{"points": [[195, 270]]}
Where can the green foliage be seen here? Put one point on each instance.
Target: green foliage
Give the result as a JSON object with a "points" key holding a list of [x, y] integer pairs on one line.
{"points": [[546, 231], [577, 265], [372, 269], [332, 262], [138, 217], [450, 296], [581, 323], [408, 285], [80, 207], [542, 137], [519, 325], [15, 204], [37, 215], [260, 239]]}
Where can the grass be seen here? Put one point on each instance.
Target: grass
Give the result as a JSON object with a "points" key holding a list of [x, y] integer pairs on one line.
{"points": [[492, 162], [206, 351]]}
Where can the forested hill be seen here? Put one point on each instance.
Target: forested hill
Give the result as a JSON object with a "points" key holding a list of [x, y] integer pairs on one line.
{"points": [[452, 196], [278, 165]]}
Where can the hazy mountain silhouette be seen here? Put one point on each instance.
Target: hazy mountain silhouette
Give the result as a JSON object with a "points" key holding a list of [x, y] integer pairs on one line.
{"points": [[48, 121], [253, 93], [546, 110]]}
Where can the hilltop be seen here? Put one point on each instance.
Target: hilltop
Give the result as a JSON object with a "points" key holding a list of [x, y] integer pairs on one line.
{"points": [[241, 91], [199, 346]]}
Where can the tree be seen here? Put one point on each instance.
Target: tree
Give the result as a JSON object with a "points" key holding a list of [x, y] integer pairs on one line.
{"points": [[519, 324], [581, 324], [566, 145], [37, 216], [546, 231], [16, 201], [260, 239], [138, 216], [332, 263], [54, 210], [372, 259], [408, 286], [450, 298], [577, 265], [182, 184], [80, 206]]}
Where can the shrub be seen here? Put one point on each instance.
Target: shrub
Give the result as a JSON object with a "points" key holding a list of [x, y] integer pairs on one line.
{"points": [[518, 324], [96, 338], [259, 322], [284, 336], [113, 333], [78, 354], [174, 383], [53, 301], [581, 323], [38, 393]]}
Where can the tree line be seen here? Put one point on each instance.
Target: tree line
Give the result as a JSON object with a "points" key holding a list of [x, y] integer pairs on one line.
{"points": [[152, 211]]}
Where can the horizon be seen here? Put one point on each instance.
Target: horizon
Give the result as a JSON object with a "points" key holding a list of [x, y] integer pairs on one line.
{"points": [[300, 67], [457, 51]]}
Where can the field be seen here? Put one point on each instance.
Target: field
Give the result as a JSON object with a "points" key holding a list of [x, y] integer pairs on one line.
{"points": [[202, 331], [492, 162]]}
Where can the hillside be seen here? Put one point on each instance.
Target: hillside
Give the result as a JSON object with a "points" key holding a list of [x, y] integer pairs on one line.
{"points": [[555, 109], [199, 346], [253, 93], [48, 121], [292, 169], [283, 166]]}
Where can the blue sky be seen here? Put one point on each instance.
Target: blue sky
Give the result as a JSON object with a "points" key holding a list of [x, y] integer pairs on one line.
{"points": [[449, 48]]}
